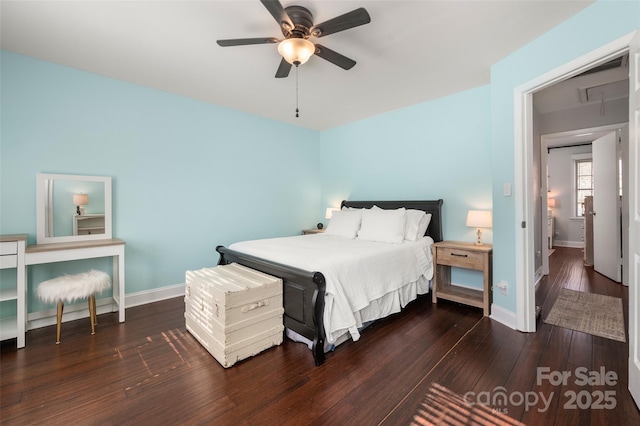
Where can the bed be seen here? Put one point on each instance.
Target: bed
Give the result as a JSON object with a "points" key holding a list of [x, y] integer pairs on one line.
{"points": [[305, 289]]}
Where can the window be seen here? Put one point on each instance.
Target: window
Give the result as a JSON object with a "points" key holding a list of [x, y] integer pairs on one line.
{"points": [[584, 183]]}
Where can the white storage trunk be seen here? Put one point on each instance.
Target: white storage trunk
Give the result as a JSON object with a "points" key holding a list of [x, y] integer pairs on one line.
{"points": [[233, 311]]}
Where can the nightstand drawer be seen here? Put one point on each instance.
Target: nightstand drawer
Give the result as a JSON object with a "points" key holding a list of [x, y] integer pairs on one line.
{"points": [[461, 258]]}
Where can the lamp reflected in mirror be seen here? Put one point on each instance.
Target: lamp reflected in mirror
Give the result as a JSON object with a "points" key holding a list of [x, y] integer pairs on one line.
{"points": [[63, 211], [80, 200]]}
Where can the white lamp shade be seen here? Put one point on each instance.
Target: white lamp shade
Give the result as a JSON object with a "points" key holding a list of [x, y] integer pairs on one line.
{"points": [[329, 212], [80, 199], [296, 50], [479, 218]]}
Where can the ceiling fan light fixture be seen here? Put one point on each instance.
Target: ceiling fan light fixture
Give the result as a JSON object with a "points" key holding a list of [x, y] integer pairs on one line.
{"points": [[296, 51]]}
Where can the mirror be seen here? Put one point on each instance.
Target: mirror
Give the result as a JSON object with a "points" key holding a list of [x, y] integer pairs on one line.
{"points": [[72, 208]]}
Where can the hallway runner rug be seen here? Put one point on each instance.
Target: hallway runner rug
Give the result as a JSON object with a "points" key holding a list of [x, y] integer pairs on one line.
{"points": [[595, 314]]}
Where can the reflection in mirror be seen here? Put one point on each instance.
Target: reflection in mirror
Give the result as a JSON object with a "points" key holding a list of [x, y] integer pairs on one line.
{"points": [[64, 198], [72, 208]]}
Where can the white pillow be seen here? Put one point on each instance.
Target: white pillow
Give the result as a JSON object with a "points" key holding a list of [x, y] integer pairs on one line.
{"points": [[385, 226], [344, 223], [424, 224], [413, 222], [417, 224]]}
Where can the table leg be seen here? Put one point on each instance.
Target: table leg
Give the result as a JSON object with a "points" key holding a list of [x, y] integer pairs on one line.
{"points": [[118, 283]]}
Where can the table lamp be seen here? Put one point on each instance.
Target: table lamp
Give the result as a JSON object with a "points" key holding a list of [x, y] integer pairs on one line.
{"points": [[551, 202], [80, 200], [479, 219], [329, 212], [327, 215]]}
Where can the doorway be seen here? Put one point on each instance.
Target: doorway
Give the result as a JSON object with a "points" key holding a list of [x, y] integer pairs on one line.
{"points": [[523, 119], [526, 200], [559, 184]]}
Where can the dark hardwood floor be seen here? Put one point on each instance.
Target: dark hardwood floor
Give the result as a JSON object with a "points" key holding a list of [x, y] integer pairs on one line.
{"points": [[428, 364]]}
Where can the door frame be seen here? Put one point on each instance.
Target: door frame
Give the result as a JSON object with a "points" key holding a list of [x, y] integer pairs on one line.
{"points": [[523, 175]]}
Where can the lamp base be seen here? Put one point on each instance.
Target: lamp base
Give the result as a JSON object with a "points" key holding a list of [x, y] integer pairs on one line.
{"points": [[479, 238]]}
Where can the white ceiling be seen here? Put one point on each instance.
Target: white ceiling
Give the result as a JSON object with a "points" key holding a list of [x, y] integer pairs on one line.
{"points": [[613, 83], [609, 85], [411, 52]]}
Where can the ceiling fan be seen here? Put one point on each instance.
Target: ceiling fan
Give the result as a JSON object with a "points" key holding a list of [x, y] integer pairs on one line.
{"points": [[296, 23]]}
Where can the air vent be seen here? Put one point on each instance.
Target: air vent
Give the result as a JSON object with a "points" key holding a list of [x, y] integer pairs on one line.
{"points": [[609, 91], [619, 62]]}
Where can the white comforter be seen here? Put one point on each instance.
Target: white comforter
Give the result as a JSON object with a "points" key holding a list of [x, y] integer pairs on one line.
{"points": [[357, 272]]}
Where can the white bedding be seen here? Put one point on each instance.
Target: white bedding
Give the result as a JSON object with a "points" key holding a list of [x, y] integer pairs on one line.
{"points": [[365, 280]]}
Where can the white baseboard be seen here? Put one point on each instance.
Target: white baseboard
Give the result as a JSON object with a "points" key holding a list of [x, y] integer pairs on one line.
{"points": [[538, 277], [503, 316], [81, 310], [571, 244], [154, 295]]}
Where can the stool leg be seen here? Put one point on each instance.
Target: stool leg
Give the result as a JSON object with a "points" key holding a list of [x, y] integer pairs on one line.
{"points": [[59, 317], [95, 312], [92, 313]]}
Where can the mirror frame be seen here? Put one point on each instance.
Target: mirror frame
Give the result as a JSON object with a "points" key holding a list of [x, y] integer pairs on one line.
{"points": [[41, 214]]}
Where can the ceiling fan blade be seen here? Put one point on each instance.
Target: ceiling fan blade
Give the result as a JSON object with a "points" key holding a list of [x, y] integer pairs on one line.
{"points": [[334, 57], [277, 11], [246, 41], [283, 69], [351, 19]]}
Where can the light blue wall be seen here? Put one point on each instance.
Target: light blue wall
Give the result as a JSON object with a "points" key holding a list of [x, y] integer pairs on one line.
{"points": [[187, 175], [594, 27], [438, 149]]}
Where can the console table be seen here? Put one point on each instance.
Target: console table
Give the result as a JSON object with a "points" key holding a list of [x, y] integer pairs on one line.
{"points": [[12, 249], [60, 252]]}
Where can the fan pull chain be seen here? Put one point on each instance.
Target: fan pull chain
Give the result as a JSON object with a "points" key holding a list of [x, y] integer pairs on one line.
{"points": [[297, 110]]}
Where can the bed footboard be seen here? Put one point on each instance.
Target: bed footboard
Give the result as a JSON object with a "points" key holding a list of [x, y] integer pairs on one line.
{"points": [[303, 296]]}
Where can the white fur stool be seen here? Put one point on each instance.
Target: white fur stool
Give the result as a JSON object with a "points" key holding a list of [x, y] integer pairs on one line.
{"points": [[69, 288]]}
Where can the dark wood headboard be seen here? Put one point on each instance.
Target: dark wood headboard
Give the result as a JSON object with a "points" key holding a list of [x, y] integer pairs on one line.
{"points": [[430, 206]]}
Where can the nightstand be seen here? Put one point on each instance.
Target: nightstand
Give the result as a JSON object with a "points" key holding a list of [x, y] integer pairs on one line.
{"points": [[447, 254], [312, 231]]}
